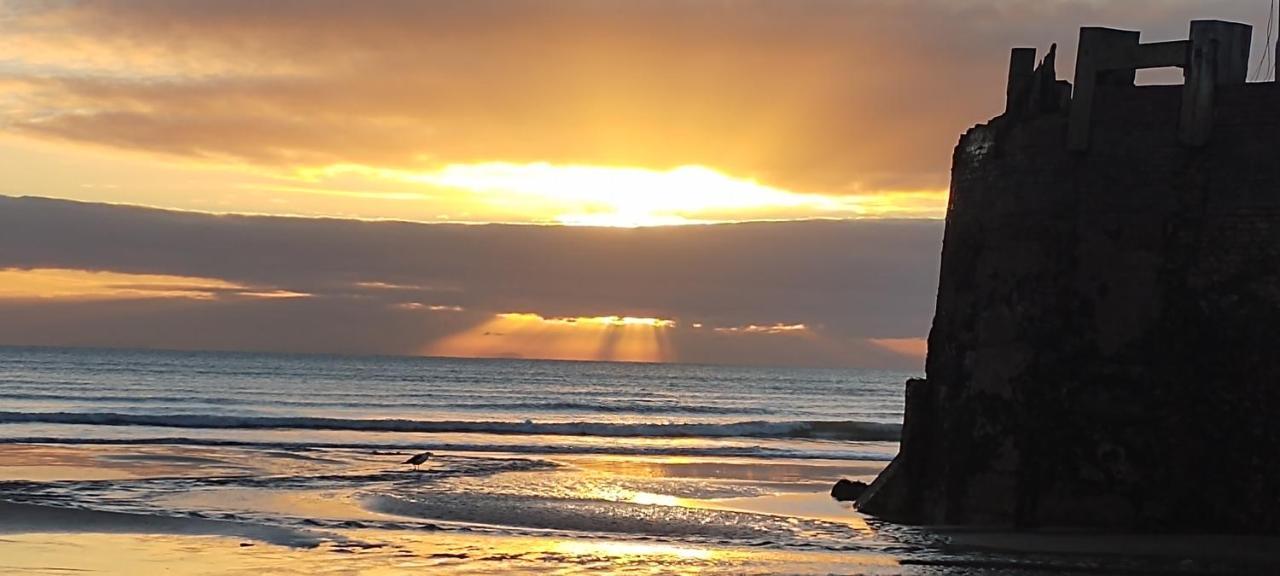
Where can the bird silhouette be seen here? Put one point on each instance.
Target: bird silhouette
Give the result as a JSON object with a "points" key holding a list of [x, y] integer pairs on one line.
{"points": [[418, 459]]}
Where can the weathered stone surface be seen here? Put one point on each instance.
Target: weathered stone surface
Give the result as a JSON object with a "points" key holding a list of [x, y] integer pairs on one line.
{"points": [[1103, 349]]}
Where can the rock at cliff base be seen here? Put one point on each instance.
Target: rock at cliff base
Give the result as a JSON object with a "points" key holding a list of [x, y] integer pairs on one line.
{"points": [[847, 490]]}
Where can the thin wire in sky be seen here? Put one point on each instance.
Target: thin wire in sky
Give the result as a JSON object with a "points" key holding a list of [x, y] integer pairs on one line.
{"points": [[1265, 60]]}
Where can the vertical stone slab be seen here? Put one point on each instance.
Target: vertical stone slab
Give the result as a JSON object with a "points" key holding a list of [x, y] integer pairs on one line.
{"points": [[1219, 55], [1099, 51], [1196, 118], [1022, 64], [1231, 58]]}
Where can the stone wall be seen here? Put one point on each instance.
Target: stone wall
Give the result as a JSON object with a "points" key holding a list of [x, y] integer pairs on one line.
{"points": [[1106, 345]]}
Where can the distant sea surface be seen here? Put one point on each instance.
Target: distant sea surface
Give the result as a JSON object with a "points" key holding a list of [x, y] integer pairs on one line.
{"points": [[537, 466], [515, 406]]}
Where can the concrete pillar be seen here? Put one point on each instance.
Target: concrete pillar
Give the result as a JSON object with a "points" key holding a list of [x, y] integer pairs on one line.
{"points": [[1022, 64], [1197, 94], [1219, 55], [1099, 51], [1231, 63]]}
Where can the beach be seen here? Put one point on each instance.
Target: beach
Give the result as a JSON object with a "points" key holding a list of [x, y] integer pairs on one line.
{"points": [[297, 461], [128, 509], [199, 463], [152, 507]]}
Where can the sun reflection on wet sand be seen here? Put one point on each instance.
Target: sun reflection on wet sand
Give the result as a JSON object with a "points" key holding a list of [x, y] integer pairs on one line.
{"points": [[614, 493], [630, 549], [387, 553]]}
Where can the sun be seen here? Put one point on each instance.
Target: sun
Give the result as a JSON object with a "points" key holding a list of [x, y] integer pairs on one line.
{"points": [[620, 196]]}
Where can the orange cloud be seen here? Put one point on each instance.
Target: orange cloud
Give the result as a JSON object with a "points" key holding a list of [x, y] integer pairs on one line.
{"points": [[765, 329], [429, 307], [59, 283]]}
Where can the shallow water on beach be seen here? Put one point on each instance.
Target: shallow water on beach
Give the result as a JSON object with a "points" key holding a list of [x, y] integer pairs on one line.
{"points": [[202, 463], [576, 456], [570, 512]]}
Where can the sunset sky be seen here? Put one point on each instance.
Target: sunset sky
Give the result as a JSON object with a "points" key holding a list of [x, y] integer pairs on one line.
{"points": [[602, 122]]}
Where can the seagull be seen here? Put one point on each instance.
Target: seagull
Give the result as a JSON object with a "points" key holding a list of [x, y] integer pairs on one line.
{"points": [[418, 459]]}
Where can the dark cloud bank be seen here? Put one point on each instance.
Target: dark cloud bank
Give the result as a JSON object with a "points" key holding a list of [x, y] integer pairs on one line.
{"points": [[849, 280]]}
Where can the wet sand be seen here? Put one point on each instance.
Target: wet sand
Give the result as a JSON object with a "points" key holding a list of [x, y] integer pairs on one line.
{"points": [[27, 519], [49, 554], [235, 529], [175, 510], [1190, 553]]}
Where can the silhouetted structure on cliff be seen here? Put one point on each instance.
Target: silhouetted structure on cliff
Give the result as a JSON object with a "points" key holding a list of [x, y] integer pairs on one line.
{"points": [[1104, 350]]}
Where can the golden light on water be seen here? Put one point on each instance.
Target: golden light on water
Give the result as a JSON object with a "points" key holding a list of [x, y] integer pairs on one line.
{"points": [[615, 493], [629, 549], [522, 334]]}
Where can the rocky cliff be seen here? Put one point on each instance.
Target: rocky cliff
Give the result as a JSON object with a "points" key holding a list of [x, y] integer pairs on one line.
{"points": [[1106, 344]]}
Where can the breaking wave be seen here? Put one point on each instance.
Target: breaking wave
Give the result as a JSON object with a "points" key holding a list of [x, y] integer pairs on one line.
{"points": [[830, 452], [822, 429]]}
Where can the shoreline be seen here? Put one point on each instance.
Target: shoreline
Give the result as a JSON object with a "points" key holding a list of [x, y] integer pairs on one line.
{"points": [[539, 513], [19, 518]]}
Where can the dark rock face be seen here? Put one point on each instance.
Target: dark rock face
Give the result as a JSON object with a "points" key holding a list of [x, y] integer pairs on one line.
{"points": [[1105, 345], [847, 490]]}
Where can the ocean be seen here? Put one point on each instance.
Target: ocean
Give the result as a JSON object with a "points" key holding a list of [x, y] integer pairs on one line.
{"points": [[514, 406], [239, 463]]}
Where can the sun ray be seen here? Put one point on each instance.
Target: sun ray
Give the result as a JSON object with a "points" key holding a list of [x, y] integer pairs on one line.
{"points": [[522, 334]]}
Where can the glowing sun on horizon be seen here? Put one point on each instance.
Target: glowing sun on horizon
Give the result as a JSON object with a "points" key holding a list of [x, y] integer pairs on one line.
{"points": [[619, 196]]}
